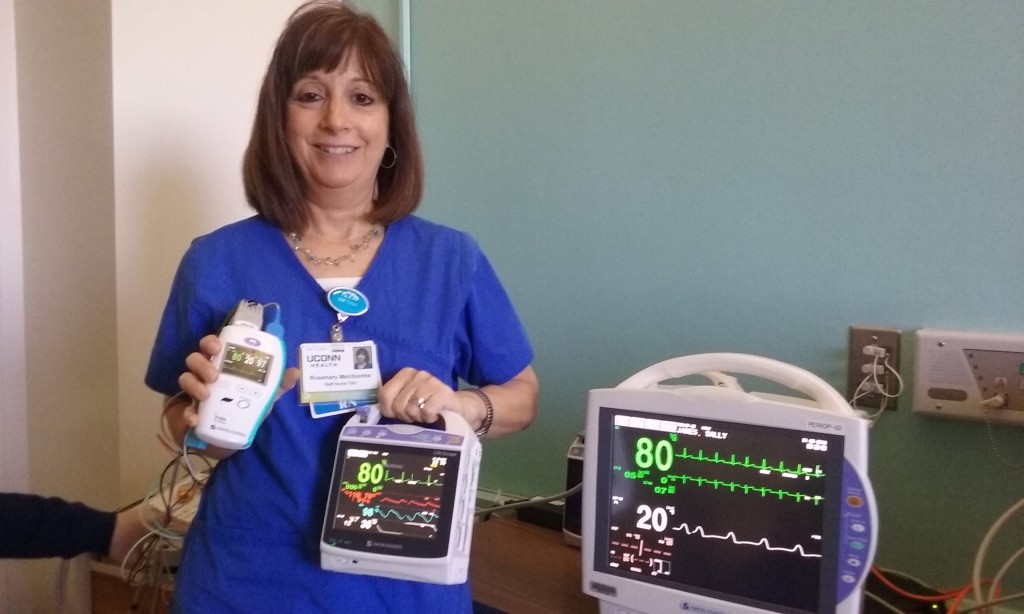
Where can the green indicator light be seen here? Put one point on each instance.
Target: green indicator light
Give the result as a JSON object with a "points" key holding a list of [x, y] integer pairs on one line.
{"points": [[1022, 368]]}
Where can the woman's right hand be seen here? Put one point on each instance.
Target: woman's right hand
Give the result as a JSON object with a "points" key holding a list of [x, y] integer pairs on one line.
{"points": [[181, 410], [201, 372], [196, 384]]}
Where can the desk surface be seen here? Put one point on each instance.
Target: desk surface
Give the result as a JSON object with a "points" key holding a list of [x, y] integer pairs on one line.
{"points": [[520, 567]]}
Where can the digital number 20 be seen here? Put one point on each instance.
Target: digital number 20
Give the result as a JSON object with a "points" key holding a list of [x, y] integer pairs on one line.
{"points": [[652, 518]]}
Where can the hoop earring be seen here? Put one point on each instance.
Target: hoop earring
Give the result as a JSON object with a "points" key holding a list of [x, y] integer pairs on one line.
{"points": [[394, 157]]}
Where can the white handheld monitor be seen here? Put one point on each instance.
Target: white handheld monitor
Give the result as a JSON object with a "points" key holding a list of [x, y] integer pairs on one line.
{"points": [[711, 499], [402, 500], [251, 364]]}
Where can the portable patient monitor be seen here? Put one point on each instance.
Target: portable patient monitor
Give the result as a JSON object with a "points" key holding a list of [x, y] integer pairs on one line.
{"points": [[251, 364], [402, 500], [712, 499]]}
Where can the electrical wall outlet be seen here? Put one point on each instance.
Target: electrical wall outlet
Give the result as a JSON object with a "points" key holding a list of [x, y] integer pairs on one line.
{"points": [[969, 375], [873, 348]]}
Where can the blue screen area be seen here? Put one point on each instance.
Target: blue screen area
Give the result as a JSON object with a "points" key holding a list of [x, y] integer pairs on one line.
{"points": [[744, 513]]}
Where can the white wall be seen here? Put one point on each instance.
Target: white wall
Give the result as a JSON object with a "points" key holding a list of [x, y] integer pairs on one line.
{"points": [[13, 459], [68, 245], [185, 79], [13, 435]]}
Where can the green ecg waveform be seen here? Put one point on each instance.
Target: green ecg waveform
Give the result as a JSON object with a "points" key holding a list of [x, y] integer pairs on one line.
{"points": [[429, 481], [401, 479], [745, 488], [814, 472]]}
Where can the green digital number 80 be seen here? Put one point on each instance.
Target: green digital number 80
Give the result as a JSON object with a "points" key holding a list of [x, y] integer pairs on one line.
{"points": [[372, 473], [649, 453]]}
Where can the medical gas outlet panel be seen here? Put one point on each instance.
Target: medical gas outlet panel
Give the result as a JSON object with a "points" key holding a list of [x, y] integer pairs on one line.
{"points": [[970, 375]]}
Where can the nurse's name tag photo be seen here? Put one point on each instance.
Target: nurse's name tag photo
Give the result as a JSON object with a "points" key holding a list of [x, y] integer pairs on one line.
{"points": [[337, 377]]}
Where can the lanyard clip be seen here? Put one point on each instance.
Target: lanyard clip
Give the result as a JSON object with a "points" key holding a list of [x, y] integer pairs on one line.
{"points": [[336, 335]]}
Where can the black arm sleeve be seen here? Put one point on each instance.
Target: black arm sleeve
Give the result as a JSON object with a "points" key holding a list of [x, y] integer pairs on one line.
{"points": [[40, 527]]}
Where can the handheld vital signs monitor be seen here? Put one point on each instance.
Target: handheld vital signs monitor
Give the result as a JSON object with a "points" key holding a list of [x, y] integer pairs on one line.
{"points": [[711, 499], [402, 500], [251, 365]]}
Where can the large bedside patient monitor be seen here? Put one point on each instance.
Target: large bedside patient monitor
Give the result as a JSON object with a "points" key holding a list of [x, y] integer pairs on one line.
{"points": [[712, 499]]}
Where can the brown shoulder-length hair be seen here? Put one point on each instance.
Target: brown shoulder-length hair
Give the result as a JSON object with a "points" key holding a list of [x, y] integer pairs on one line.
{"points": [[320, 35]]}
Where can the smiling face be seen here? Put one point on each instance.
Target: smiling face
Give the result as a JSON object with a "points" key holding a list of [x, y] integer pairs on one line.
{"points": [[337, 129]]}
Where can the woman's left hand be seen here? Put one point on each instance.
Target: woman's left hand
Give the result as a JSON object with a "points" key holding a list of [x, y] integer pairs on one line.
{"points": [[416, 396], [419, 397]]}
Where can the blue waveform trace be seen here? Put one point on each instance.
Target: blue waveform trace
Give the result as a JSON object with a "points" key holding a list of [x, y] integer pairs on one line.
{"points": [[424, 517]]}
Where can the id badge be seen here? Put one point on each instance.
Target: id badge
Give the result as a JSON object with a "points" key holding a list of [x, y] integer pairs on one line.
{"points": [[338, 377]]}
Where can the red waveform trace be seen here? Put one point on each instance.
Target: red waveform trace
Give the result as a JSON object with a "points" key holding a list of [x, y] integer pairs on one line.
{"points": [[430, 502]]}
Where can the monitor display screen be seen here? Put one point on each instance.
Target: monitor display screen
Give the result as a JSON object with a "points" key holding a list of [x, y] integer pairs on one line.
{"points": [[745, 513], [246, 362], [392, 499]]}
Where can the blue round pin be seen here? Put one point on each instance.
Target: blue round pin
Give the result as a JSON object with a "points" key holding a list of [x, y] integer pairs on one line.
{"points": [[348, 301]]}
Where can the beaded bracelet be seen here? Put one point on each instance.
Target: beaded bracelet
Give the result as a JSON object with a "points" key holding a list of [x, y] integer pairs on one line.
{"points": [[489, 418]]}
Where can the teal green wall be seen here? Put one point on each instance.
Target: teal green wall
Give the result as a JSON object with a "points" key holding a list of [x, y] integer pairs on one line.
{"points": [[660, 178]]}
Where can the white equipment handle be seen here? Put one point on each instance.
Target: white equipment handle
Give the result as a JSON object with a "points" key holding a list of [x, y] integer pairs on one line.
{"points": [[712, 366]]}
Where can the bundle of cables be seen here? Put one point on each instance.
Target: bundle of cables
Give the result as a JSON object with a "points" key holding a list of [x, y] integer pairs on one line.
{"points": [[984, 593], [167, 511]]}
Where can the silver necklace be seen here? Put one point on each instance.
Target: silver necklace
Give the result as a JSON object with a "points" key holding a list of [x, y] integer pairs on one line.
{"points": [[351, 256]]}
